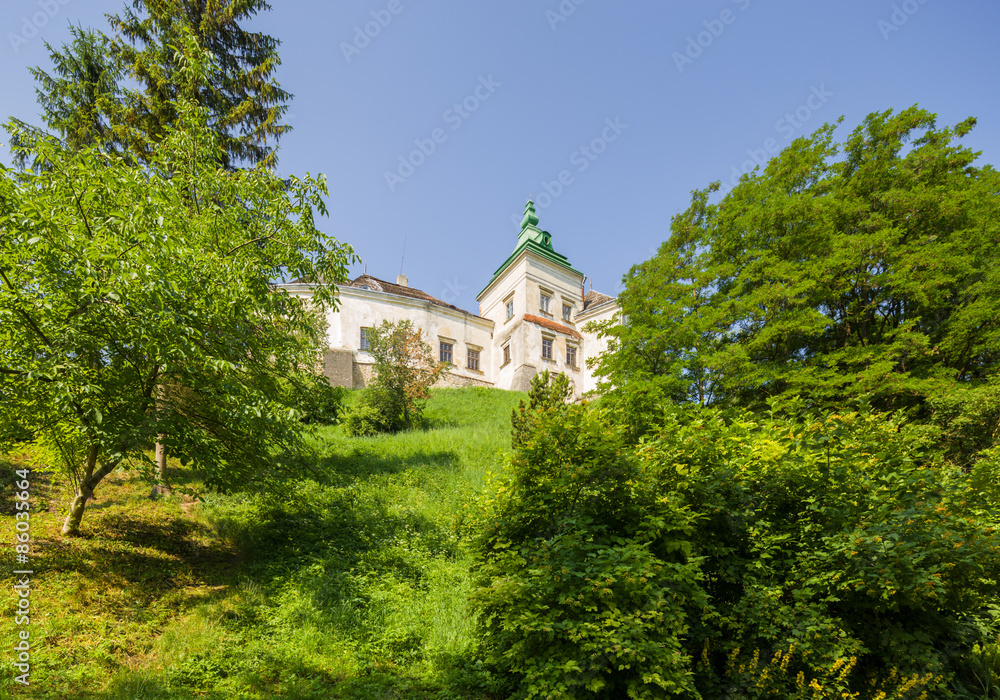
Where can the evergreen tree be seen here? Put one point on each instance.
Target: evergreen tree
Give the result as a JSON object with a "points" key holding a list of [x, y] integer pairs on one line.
{"points": [[244, 101], [84, 100]]}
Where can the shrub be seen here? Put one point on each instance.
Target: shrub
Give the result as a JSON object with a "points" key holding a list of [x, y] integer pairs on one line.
{"points": [[366, 419], [321, 402], [585, 579], [815, 555]]}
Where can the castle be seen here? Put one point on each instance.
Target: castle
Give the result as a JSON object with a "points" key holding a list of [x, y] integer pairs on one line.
{"points": [[531, 318]]}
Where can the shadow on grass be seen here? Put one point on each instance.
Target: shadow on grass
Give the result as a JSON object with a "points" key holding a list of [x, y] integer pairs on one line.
{"points": [[364, 461], [146, 559]]}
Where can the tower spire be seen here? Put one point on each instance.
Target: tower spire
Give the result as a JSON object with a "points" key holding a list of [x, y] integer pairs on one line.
{"points": [[530, 218]]}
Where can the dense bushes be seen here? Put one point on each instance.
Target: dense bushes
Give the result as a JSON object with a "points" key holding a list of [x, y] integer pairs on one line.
{"points": [[723, 556]]}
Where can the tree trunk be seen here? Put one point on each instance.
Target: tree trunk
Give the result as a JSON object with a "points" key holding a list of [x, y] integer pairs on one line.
{"points": [[163, 487], [85, 492]]}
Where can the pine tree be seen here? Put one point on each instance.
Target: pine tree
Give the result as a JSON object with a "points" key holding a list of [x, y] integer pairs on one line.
{"points": [[244, 101], [85, 100]]}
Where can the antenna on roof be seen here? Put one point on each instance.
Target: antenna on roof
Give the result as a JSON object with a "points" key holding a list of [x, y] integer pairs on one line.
{"points": [[402, 260]]}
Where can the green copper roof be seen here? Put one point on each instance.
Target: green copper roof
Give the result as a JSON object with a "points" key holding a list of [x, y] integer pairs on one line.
{"points": [[537, 241]]}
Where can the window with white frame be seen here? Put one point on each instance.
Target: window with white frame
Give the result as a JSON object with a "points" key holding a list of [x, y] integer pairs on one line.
{"points": [[567, 312], [510, 308], [364, 339], [472, 362], [547, 348], [544, 302]]}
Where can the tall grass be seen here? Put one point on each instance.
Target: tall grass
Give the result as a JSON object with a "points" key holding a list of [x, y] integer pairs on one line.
{"points": [[351, 583]]}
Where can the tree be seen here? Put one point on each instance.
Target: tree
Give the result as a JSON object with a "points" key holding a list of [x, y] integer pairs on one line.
{"points": [[404, 370], [79, 99], [116, 280], [84, 99], [867, 270]]}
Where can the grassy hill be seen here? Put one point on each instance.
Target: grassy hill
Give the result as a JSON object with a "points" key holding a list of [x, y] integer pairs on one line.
{"points": [[349, 584]]}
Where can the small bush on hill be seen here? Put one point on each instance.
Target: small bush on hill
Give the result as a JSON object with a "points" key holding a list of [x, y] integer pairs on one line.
{"points": [[404, 371]]}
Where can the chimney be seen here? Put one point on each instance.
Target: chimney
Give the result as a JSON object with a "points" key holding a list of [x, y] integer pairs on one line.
{"points": [[402, 281]]}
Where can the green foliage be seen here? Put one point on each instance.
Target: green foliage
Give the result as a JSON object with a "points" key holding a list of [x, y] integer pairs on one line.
{"points": [[585, 580], [321, 402], [795, 555], [404, 370], [88, 98], [546, 393], [370, 415], [353, 584], [138, 302], [865, 270]]}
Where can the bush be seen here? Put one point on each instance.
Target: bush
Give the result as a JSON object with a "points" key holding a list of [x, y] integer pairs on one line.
{"points": [[321, 402], [793, 556], [366, 419], [585, 579]]}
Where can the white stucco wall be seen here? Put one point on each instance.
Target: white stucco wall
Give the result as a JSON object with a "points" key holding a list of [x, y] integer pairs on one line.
{"points": [[594, 345], [365, 308]]}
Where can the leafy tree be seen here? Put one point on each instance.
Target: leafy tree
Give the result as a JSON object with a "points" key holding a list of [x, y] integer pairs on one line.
{"points": [[84, 99], [404, 370], [838, 272], [584, 586], [116, 280]]}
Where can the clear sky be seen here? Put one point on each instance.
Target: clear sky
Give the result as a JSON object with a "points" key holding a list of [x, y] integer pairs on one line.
{"points": [[434, 121]]}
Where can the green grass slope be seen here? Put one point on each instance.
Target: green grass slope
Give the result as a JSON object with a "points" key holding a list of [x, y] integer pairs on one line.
{"points": [[350, 584]]}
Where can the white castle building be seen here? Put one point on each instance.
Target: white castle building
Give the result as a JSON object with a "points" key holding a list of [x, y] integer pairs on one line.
{"points": [[531, 318]]}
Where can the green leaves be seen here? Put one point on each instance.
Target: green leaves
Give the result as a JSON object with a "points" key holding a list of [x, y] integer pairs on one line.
{"points": [[835, 277], [721, 555], [128, 316]]}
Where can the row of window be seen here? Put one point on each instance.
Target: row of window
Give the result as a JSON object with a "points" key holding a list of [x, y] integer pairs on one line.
{"points": [[547, 346], [447, 352], [471, 357], [545, 304]]}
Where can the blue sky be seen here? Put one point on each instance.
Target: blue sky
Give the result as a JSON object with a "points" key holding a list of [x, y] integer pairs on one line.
{"points": [[434, 121]]}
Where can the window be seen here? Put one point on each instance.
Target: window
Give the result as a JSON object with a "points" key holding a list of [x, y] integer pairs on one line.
{"points": [[510, 309], [446, 352], [545, 303], [364, 339], [506, 354], [571, 356], [473, 360], [567, 312], [546, 348]]}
